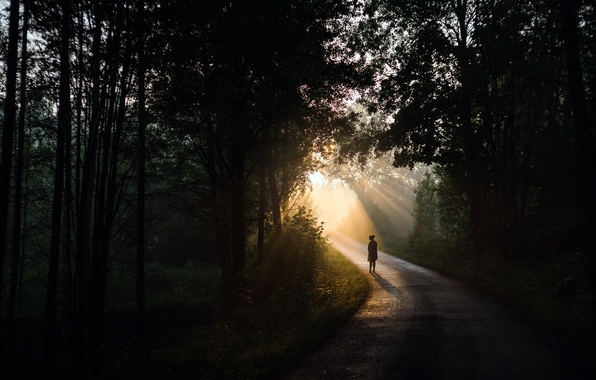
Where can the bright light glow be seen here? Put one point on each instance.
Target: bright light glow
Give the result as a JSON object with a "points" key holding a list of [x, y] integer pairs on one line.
{"points": [[339, 208], [317, 179], [332, 200]]}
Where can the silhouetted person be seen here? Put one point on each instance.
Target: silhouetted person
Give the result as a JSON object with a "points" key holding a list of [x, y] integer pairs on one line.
{"points": [[372, 253]]}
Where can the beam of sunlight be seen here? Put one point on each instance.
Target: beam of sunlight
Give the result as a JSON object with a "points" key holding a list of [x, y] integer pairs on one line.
{"points": [[338, 207], [359, 224], [332, 201], [395, 203]]}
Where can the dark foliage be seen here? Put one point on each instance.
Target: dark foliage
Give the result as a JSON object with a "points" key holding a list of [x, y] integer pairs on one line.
{"points": [[488, 93]]}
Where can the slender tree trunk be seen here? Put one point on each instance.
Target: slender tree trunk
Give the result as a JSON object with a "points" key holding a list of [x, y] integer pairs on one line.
{"points": [[219, 215], [74, 191], [141, 151], [237, 193], [275, 199], [106, 193], [238, 232], [465, 116], [582, 122], [274, 192], [25, 213], [264, 169], [8, 132], [66, 258], [261, 216], [18, 197], [63, 125], [84, 209]]}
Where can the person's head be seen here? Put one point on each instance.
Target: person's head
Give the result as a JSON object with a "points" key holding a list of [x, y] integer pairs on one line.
{"points": [[371, 237]]}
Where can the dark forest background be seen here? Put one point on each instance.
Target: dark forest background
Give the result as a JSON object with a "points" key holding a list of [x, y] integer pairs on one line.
{"points": [[141, 135]]}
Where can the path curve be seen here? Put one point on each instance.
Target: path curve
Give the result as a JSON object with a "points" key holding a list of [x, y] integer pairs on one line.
{"points": [[417, 324]]}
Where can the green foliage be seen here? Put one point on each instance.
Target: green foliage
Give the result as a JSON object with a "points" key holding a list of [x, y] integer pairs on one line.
{"points": [[301, 245], [303, 232], [441, 222], [425, 209]]}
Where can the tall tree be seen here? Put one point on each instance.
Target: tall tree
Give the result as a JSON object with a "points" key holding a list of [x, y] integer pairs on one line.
{"points": [[18, 180], [100, 174], [56, 232], [429, 86], [583, 122], [141, 151], [10, 111], [466, 85], [84, 206], [258, 77]]}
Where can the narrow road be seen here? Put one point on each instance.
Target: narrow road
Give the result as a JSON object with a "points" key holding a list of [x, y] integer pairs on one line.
{"points": [[417, 324]]}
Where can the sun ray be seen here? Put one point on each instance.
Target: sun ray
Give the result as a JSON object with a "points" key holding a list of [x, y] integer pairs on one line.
{"points": [[332, 203], [340, 209]]}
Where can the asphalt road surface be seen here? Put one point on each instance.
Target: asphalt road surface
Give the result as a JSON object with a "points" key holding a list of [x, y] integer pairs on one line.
{"points": [[417, 324]]}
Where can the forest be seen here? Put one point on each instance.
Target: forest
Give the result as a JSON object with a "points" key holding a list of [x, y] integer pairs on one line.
{"points": [[144, 137]]}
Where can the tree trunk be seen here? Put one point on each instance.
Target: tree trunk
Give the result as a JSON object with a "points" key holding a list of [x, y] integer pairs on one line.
{"points": [[238, 232], [84, 209], [261, 216], [582, 122], [18, 197], [222, 235], [275, 199], [63, 125], [141, 243], [468, 135], [237, 194], [219, 214], [8, 132], [107, 189]]}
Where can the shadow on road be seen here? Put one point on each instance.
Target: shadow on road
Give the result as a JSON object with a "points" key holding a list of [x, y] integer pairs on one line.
{"points": [[387, 286]]}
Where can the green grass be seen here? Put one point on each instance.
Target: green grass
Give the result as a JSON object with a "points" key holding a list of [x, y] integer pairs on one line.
{"points": [[249, 335]]}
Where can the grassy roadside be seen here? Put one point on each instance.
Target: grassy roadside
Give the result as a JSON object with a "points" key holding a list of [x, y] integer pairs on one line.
{"points": [[557, 291], [252, 335]]}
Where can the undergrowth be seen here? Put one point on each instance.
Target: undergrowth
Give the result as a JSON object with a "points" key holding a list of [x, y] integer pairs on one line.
{"points": [[242, 337], [286, 305], [302, 293]]}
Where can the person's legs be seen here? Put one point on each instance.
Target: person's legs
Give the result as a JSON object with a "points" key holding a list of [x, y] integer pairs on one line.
{"points": [[374, 264], [370, 265]]}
